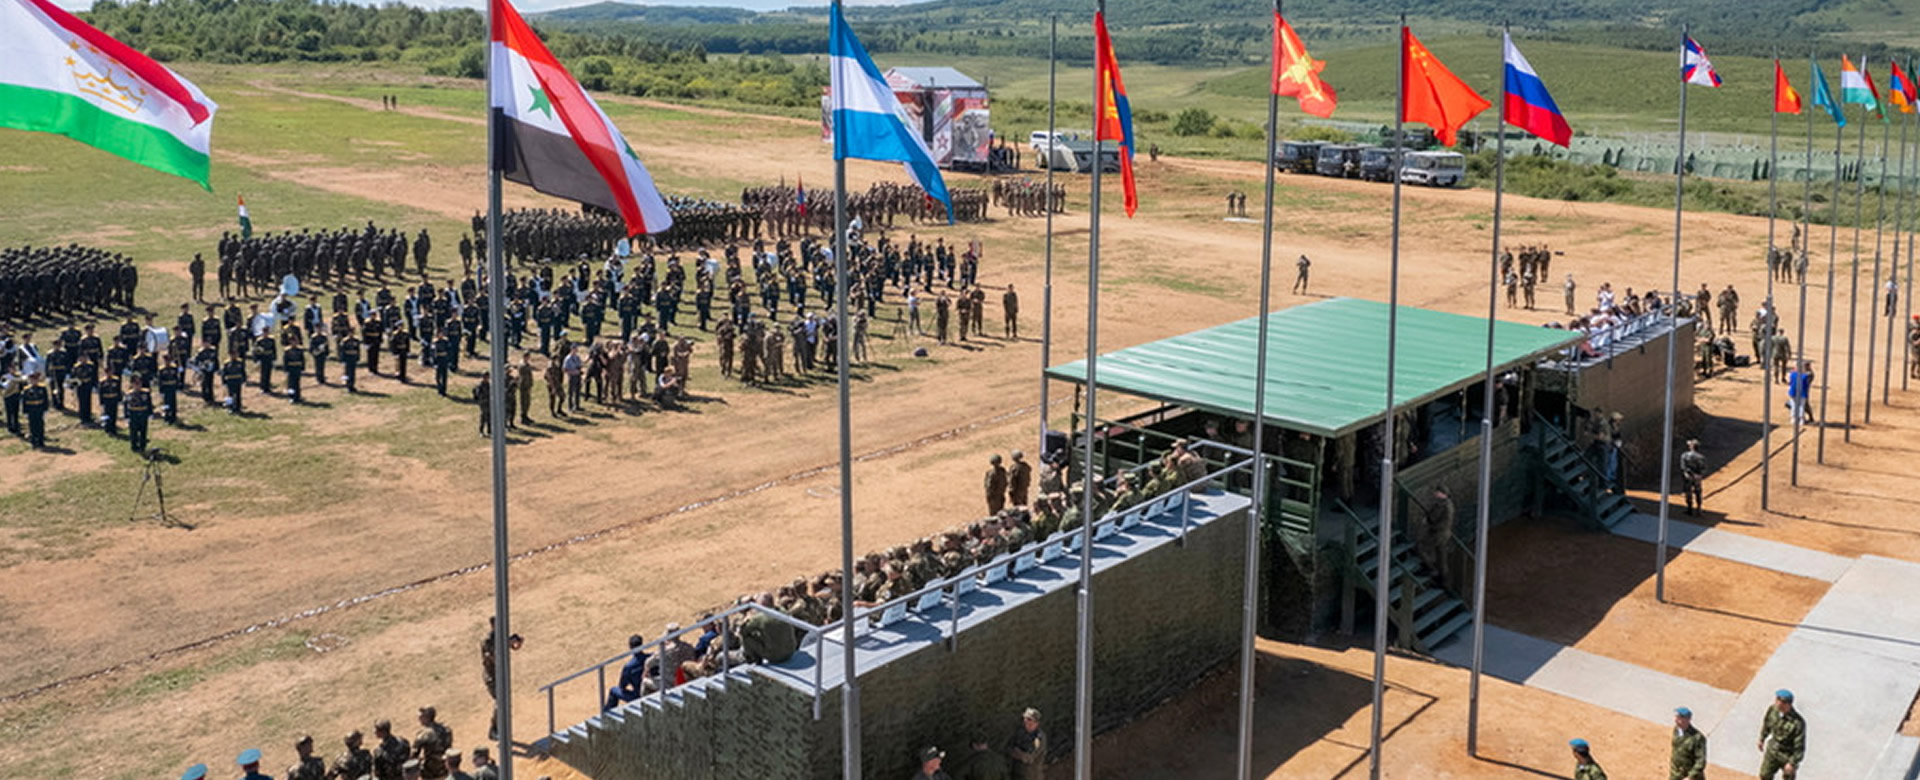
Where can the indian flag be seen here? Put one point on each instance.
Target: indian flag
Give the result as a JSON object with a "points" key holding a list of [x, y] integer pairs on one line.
{"points": [[60, 75], [246, 222], [1855, 87]]}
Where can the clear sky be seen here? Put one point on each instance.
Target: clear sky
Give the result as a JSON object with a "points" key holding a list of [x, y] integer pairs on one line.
{"points": [[548, 5]]}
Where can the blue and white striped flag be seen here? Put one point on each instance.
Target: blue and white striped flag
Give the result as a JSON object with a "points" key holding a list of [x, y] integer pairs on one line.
{"points": [[868, 123]]}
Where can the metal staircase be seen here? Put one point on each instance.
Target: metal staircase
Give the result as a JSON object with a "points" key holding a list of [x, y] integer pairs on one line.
{"points": [[1579, 478], [1423, 615]]}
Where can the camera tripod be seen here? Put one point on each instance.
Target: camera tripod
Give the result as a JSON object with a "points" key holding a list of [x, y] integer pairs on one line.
{"points": [[153, 475]]}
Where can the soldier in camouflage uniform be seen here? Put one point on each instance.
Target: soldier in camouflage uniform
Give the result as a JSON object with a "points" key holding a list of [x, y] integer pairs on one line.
{"points": [[1783, 739], [354, 762], [1688, 760]]}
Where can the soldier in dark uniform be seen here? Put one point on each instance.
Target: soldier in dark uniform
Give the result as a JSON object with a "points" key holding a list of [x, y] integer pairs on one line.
{"points": [[59, 367], [234, 375], [170, 381], [197, 269], [317, 349], [111, 396], [86, 377], [443, 355], [265, 354], [349, 357], [294, 362], [34, 401], [421, 246], [466, 255], [206, 363], [1693, 471], [139, 413], [373, 336], [1028, 747], [401, 345]]}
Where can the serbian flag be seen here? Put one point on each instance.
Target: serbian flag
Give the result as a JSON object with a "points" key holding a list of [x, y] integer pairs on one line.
{"points": [[1786, 99], [555, 139], [60, 75], [1695, 68], [1433, 94], [1297, 75], [1113, 117], [1899, 87], [1528, 106]]}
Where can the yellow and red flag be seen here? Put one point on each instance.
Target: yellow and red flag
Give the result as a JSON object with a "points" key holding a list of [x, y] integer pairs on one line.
{"points": [[1297, 75], [1433, 94], [1786, 99], [1900, 88], [1113, 117]]}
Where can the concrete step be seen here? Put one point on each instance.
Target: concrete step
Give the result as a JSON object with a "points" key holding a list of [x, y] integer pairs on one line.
{"points": [[1445, 631]]}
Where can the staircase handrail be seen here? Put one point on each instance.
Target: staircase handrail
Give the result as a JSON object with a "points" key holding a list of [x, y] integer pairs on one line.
{"points": [[1599, 474]]}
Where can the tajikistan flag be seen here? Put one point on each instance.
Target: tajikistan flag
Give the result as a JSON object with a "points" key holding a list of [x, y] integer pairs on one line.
{"points": [[246, 222], [555, 138], [60, 75]]}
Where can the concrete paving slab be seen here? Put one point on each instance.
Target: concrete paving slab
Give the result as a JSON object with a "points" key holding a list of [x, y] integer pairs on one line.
{"points": [[1577, 674], [1737, 547], [1899, 760], [1875, 608], [1853, 701]]}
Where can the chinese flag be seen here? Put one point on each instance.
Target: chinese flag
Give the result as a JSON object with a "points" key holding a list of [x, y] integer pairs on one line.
{"points": [[1786, 99], [1297, 75], [1434, 95]]}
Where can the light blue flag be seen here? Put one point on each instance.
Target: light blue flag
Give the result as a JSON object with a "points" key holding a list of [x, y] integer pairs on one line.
{"points": [[1823, 99], [868, 123]]}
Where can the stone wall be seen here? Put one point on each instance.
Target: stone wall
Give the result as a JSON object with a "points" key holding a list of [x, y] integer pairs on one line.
{"points": [[1162, 619]]}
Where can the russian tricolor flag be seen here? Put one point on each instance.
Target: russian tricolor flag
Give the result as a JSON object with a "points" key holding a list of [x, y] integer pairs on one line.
{"points": [[1529, 107]]}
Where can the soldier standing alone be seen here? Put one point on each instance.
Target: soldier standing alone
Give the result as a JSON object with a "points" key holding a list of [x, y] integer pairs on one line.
{"points": [[1301, 267], [1010, 304], [1783, 738], [1693, 471]]}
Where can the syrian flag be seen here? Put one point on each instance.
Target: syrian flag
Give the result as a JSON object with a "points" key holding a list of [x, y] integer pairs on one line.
{"points": [[246, 222], [62, 76], [554, 137]]}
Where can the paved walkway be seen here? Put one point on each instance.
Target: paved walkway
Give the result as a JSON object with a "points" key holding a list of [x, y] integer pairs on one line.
{"points": [[1736, 547], [1853, 665]]}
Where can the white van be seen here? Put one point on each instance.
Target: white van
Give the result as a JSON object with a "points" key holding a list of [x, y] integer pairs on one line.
{"points": [[1434, 169]]}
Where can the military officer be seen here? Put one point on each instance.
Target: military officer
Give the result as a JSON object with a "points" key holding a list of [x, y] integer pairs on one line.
{"points": [[1783, 739], [308, 766], [1584, 767], [1689, 756], [1693, 471], [354, 762]]}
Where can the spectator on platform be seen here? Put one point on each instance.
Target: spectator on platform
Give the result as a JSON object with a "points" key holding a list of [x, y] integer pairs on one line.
{"points": [[632, 683], [767, 639], [982, 763]]}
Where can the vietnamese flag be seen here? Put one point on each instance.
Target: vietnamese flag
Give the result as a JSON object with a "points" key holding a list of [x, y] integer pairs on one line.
{"points": [[1297, 75], [1432, 94], [1786, 99]]}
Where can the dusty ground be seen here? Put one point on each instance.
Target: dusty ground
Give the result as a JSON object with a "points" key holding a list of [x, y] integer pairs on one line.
{"points": [[749, 469]]}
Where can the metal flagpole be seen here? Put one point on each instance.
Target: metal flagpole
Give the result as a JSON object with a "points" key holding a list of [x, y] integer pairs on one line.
{"points": [[1806, 241], [1250, 596], [497, 407], [1873, 294], [1893, 268], [1773, 309], [1833, 253], [1853, 296], [1384, 556], [850, 670], [1906, 352], [1483, 516], [1673, 334], [1046, 295], [1083, 660]]}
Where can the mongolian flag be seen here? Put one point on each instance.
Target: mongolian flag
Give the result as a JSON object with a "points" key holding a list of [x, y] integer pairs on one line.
{"points": [[1900, 88], [1113, 117], [1786, 99], [60, 75], [554, 137], [1297, 75], [1433, 94]]}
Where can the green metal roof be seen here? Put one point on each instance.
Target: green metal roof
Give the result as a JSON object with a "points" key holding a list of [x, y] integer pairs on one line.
{"points": [[1326, 363]]}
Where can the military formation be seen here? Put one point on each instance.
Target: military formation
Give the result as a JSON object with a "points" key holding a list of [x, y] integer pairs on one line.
{"points": [[260, 265], [389, 756], [63, 281], [1029, 198], [1523, 279]]}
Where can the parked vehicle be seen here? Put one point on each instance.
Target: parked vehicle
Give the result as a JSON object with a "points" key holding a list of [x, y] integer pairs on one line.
{"points": [[1298, 156], [1376, 163], [1339, 160], [1434, 169]]}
